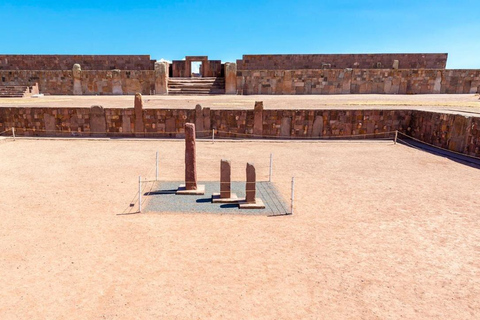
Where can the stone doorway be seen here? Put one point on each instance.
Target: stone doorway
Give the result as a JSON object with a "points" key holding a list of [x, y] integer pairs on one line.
{"points": [[196, 69]]}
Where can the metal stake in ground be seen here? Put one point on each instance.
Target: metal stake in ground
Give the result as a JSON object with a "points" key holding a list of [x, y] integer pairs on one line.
{"points": [[190, 186]]}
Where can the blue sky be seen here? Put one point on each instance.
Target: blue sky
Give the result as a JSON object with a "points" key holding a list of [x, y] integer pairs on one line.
{"points": [[225, 30]]}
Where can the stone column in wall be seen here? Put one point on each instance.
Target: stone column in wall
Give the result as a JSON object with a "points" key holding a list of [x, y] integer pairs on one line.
{"points": [[258, 118], [230, 78], [138, 108], [116, 82], [77, 79], [161, 77]]}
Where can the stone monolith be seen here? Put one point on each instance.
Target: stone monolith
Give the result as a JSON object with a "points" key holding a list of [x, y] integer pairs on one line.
{"points": [[190, 158], [225, 179], [138, 108], [250, 186]]}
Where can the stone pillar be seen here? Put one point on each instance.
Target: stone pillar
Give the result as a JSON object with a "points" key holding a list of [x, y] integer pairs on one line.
{"points": [[161, 77], [250, 186], [77, 79], [317, 126], [199, 123], [230, 78], [258, 118], [190, 187], [395, 64], [286, 127], [138, 108], [190, 158], [116, 82], [251, 201], [437, 87], [98, 122], [225, 179]]}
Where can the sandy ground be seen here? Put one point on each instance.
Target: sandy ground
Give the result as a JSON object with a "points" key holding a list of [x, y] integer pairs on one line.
{"points": [[455, 102], [379, 231]]}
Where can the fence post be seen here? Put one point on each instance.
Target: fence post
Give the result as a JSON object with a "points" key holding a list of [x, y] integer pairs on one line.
{"points": [[271, 166], [156, 167], [140, 194], [13, 133], [293, 195], [396, 136]]}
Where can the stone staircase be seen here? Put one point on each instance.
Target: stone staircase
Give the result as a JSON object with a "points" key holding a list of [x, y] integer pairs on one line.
{"points": [[196, 86], [18, 91]]}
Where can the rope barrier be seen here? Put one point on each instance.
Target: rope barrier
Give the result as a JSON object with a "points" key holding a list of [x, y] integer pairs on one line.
{"points": [[378, 134], [432, 145]]}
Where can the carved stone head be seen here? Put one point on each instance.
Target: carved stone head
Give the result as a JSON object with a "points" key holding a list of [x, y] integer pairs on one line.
{"points": [[77, 71]]}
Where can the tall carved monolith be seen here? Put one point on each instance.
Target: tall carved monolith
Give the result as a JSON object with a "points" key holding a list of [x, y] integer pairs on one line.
{"points": [[77, 79], [161, 77], [225, 179], [138, 108], [250, 186], [190, 187], [190, 158], [230, 78], [117, 82]]}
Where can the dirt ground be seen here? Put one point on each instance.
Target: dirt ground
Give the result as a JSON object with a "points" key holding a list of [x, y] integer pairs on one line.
{"points": [[453, 102], [379, 231]]}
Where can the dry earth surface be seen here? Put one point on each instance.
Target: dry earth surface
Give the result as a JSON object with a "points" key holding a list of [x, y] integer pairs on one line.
{"points": [[454, 102], [379, 231]]}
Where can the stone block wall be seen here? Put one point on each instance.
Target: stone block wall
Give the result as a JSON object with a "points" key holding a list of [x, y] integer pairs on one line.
{"points": [[60, 82], [65, 62], [450, 131], [357, 81], [342, 61], [447, 130]]}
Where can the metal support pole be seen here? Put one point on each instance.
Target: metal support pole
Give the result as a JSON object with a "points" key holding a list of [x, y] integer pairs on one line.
{"points": [[213, 135], [271, 166], [13, 133], [396, 136], [139, 193], [156, 167], [293, 195]]}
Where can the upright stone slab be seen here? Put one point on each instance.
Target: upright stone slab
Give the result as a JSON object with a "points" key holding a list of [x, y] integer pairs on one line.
{"points": [[258, 118], [138, 108], [250, 186], [190, 186], [116, 82], [225, 195], [286, 127], [317, 126], [230, 78], [161, 77], [77, 79], [50, 124], [225, 177], [251, 201], [199, 125], [395, 64], [98, 123]]}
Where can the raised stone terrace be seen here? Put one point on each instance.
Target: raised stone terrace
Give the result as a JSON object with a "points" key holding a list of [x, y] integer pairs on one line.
{"points": [[469, 103]]}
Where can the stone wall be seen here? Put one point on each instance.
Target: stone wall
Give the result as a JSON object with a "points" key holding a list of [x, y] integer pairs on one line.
{"points": [[65, 62], [342, 61], [450, 131], [357, 81], [447, 130], [102, 82]]}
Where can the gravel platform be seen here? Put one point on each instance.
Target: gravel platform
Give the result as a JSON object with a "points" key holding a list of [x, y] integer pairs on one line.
{"points": [[162, 198]]}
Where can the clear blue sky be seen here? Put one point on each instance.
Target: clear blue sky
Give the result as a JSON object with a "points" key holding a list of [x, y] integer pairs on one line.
{"points": [[225, 30]]}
